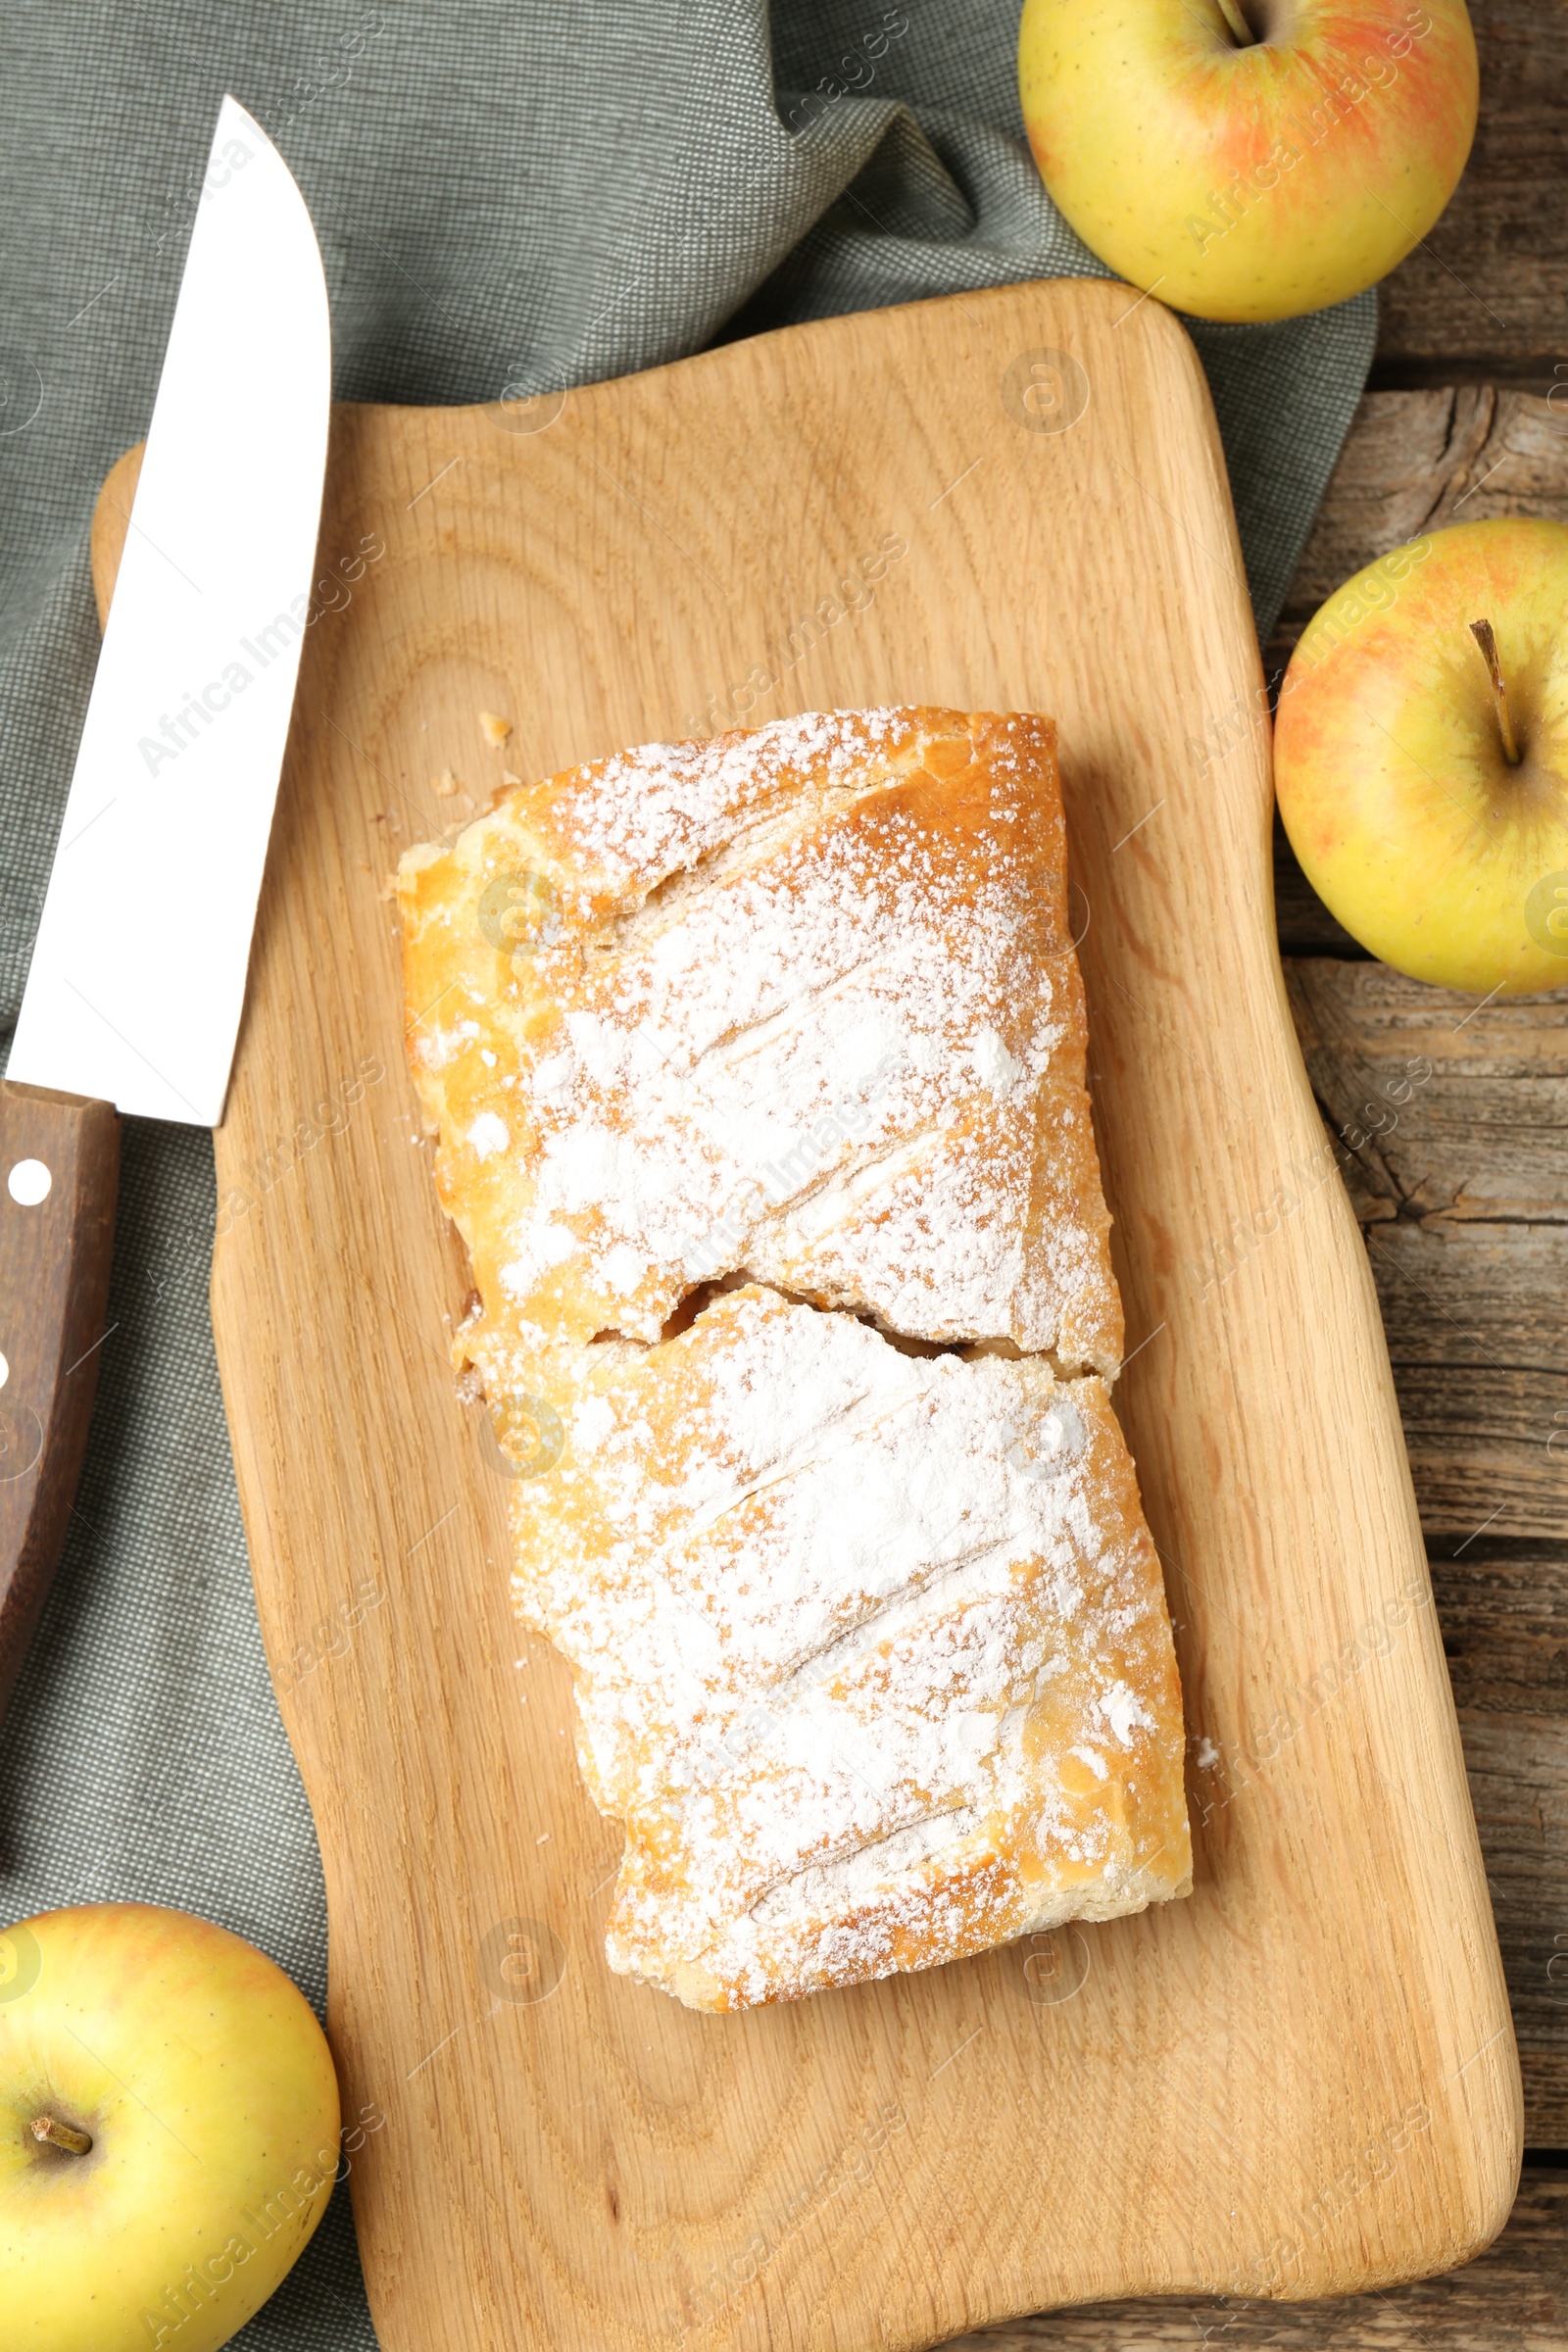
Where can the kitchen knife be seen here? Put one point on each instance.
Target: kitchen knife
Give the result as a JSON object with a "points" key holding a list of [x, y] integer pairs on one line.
{"points": [[137, 979]]}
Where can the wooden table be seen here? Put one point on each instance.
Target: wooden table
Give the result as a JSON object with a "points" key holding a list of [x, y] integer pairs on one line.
{"points": [[1464, 1204]]}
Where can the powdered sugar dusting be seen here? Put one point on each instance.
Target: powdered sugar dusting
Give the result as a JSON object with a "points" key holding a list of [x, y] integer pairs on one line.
{"points": [[804, 1007], [646, 813], [838, 1618], [869, 1640]]}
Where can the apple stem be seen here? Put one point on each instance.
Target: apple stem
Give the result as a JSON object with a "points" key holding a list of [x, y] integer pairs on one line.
{"points": [[1485, 637], [1231, 11], [61, 2135]]}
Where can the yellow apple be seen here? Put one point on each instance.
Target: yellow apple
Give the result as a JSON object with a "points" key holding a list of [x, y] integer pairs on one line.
{"points": [[1426, 799], [1248, 159], [168, 2130]]}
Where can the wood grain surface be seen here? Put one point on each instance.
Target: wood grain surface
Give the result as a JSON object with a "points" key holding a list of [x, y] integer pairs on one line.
{"points": [[1300, 2081], [1416, 462], [1485, 295], [1513, 2299], [1463, 1201], [56, 1245]]}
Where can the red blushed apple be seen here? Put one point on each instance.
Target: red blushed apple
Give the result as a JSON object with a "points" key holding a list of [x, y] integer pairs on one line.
{"points": [[1421, 757], [168, 2130], [1248, 159]]}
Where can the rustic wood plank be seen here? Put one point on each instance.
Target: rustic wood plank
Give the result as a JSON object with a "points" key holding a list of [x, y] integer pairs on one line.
{"points": [[1487, 294], [1415, 462], [1512, 2298], [1468, 1119], [1518, 1766], [1481, 1473], [1504, 1611], [1504, 1614], [1546, 2082], [1453, 1122]]}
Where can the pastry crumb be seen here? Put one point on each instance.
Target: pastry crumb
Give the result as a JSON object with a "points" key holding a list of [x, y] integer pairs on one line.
{"points": [[492, 728], [446, 784]]}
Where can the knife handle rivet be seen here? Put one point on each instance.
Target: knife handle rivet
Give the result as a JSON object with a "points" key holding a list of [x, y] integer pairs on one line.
{"points": [[28, 1183]]}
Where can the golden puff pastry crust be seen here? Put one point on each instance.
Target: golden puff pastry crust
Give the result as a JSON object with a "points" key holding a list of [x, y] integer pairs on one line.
{"points": [[800, 1002], [756, 1068], [870, 1648]]}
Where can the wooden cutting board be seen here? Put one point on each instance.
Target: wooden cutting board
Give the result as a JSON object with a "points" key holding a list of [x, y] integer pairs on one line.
{"points": [[1300, 2081]]}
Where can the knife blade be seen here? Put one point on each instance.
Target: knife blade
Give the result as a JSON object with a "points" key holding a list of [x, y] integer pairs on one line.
{"points": [[137, 980]]}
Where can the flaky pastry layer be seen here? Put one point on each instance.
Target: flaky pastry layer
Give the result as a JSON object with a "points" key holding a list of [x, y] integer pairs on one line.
{"points": [[870, 1650], [756, 1068], [800, 1002]]}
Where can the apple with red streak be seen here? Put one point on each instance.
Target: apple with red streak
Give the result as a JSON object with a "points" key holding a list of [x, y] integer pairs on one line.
{"points": [[1421, 757], [168, 2130], [1248, 159]]}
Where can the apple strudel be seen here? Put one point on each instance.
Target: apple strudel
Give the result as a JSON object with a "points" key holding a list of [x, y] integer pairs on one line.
{"points": [[757, 1067]]}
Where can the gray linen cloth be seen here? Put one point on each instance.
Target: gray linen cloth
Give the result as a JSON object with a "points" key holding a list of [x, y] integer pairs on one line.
{"points": [[523, 194]]}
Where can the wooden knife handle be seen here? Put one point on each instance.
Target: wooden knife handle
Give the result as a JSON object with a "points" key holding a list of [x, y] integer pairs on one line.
{"points": [[59, 1173]]}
